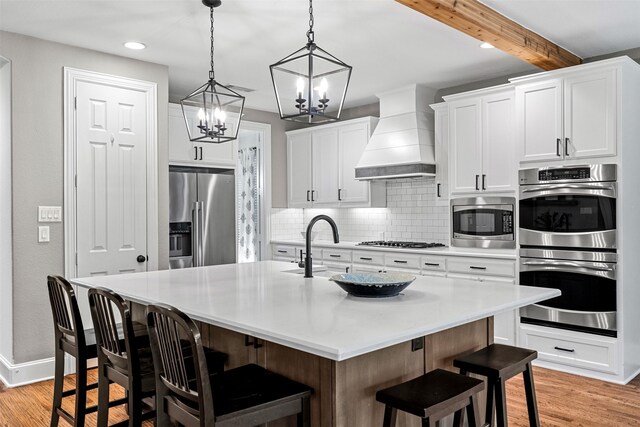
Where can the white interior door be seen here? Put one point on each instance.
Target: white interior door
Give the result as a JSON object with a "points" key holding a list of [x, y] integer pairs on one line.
{"points": [[111, 188]]}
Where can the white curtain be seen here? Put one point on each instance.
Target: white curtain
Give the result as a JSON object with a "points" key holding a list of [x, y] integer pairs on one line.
{"points": [[248, 205]]}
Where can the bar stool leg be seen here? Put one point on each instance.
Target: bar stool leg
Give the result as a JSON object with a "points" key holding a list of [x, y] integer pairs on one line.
{"points": [[530, 391], [58, 385], [458, 418], [103, 397], [81, 391], [428, 422], [390, 414], [304, 417], [501, 404], [491, 405], [473, 412]]}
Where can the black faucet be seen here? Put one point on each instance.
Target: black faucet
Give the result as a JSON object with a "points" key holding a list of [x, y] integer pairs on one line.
{"points": [[336, 239]]}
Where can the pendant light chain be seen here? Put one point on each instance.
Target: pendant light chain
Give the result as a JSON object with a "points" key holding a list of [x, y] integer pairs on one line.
{"points": [[310, 34], [212, 75]]}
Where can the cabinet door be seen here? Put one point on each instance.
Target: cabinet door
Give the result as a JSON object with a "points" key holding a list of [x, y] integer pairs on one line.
{"points": [[442, 156], [498, 147], [504, 328], [539, 120], [181, 150], [299, 170], [325, 167], [465, 146], [590, 114], [352, 141]]}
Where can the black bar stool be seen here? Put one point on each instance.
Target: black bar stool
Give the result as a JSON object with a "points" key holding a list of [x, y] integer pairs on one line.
{"points": [[433, 396], [498, 363]]}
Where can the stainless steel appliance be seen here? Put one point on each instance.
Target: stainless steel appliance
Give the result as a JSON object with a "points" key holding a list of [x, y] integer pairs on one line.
{"points": [[587, 281], [201, 217], [571, 206], [400, 244], [483, 222], [568, 241]]}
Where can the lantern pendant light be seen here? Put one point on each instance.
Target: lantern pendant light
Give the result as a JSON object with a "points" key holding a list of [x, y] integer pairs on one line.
{"points": [[212, 104], [310, 84]]}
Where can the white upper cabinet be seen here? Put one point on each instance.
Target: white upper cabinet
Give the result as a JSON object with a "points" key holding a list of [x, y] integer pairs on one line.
{"points": [[184, 152], [321, 166], [299, 170], [441, 139], [481, 142], [566, 118]]}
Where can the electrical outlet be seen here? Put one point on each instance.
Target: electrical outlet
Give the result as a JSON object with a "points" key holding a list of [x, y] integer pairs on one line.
{"points": [[43, 234]]}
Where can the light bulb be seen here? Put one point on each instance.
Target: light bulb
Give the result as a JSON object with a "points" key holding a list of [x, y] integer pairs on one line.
{"points": [[300, 86], [322, 89], [201, 115], [219, 115]]}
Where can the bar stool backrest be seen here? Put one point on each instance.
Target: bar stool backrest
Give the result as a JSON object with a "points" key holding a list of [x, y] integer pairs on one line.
{"points": [[67, 322], [119, 351], [182, 380]]}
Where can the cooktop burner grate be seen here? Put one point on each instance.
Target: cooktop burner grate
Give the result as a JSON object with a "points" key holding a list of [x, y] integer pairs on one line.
{"points": [[400, 244]]}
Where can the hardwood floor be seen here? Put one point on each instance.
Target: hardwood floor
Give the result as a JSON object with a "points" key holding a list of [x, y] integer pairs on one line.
{"points": [[563, 400], [30, 406]]}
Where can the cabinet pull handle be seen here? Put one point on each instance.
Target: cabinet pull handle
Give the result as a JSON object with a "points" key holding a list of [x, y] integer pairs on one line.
{"points": [[438, 190], [568, 350], [484, 178], [200, 153], [399, 261], [566, 147], [339, 194], [366, 258], [308, 200], [312, 193], [473, 267], [196, 157], [282, 251], [335, 256], [432, 264], [558, 142], [477, 177]]}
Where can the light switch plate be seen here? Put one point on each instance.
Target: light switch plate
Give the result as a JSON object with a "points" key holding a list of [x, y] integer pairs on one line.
{"points": [[49, 214], [43, 234]]}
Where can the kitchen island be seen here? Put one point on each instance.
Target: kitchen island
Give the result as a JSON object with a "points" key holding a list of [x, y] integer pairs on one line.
{"points": [[310, 330]]}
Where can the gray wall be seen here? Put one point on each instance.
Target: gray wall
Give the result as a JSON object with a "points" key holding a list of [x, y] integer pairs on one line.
{"points": [[6, 283], [37, 105]]}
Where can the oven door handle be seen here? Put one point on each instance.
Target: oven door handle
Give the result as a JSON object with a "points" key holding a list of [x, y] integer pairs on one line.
{"points": [[594, 269], [592, 189]]}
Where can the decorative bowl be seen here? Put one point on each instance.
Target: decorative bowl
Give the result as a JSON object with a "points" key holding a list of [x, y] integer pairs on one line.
{"points": [[373, 285]]}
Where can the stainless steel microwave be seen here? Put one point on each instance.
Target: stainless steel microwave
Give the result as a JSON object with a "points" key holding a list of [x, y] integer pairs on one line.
{"points": [[483, 222]]}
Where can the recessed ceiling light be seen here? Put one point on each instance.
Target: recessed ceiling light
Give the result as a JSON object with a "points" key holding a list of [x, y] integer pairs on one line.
{"points": [[486, 45], [135, 45]]}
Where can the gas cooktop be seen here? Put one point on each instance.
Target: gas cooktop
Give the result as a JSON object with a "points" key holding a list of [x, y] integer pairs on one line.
{"points": [[401, 245]]}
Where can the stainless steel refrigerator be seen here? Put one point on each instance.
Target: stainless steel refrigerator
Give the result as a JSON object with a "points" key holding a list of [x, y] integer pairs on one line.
{"points": [[202, 225]]}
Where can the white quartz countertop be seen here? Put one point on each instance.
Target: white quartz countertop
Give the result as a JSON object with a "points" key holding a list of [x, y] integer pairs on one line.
{"points": [[314, 315], [452, 251]]}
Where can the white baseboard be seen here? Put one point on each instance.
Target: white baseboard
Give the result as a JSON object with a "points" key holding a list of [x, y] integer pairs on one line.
{"points": [[14, 375]]}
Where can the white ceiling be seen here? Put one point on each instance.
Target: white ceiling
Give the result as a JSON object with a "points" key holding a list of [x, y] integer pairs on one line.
{"points": [[388, 44]]}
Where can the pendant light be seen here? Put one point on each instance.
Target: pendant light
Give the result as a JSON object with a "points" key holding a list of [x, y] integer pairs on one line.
{"points": [[212, 112], [310, 84]]}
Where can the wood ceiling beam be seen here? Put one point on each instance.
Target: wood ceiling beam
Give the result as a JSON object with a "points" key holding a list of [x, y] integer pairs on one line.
{"points": [[485, 24]]}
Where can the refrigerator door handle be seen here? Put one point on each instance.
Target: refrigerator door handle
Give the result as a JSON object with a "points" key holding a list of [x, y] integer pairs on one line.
{"points": [[201, 234], [195, 234]]}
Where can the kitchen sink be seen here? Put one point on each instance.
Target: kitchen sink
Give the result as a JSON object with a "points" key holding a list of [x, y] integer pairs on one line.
{"points": [[317, 272]]}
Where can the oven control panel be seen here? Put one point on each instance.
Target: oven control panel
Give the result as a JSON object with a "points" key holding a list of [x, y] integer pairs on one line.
{"points": [[564, 173]]}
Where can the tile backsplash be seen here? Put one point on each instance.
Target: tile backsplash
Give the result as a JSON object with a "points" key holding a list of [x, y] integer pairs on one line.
{"points": [[411, 214]]}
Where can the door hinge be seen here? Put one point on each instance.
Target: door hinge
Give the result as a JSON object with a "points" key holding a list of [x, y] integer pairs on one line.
{"points": [[75, 102], [76, 259], [75, 181]]}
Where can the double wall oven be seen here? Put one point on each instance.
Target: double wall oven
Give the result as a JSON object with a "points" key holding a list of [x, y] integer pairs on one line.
{"points": [[568, 241]]}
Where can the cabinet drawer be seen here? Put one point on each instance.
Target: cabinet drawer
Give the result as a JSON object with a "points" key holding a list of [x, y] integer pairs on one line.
{"points": [[339, 255], [368, 258], [368, 269], [481, 266], [571, 348], [337, 267], [402, 261], [284, 251], [433, 263]]}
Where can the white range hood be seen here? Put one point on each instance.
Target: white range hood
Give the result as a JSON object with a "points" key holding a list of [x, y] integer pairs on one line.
{"points": [[402, 145]]}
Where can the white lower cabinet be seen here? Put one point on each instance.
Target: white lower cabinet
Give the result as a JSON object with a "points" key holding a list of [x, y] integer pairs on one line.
{"points": [[571, 348], [284, 253], [433, 265]]}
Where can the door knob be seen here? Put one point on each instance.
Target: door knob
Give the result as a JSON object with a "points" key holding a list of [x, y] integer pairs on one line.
{"points": [[141, 258]]}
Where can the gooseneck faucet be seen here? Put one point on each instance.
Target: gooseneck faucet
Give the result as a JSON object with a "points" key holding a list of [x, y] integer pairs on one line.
{"points": [[307, 259]]}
